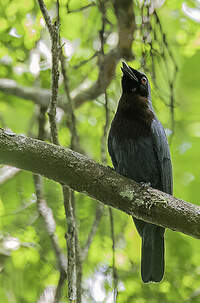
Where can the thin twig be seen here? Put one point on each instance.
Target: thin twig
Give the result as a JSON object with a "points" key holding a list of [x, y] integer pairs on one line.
{"points": [[102, 8], [2, 121], [71, 245], [114, 269], [47, 215], [41, 123], [97, 218], [80, 9], [70, 114], [105, 131], [126, 28], [46, 17], [55, 50], [70, 235], [86, 61], [71, 216], [7, 173], [19, 210], [164, 52], [171, 81], [55, 77], [193, 296], [78, 254], [58, 13], [60, 285]]}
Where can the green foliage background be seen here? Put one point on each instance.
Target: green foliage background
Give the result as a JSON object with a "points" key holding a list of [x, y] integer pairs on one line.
{"points": [[30, 267]]}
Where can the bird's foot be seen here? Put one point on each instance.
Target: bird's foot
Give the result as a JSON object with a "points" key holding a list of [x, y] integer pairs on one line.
{"points": [[145, 184], [110, 167]]}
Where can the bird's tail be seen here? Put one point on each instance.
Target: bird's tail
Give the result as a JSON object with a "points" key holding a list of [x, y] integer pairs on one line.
{"points": [[152, 264]]}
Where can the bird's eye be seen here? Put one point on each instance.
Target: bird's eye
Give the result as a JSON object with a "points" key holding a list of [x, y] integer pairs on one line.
{"points": [[144, 80]]}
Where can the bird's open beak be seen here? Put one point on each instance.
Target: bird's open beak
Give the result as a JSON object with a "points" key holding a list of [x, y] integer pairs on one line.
{"points": [[126, 70]]}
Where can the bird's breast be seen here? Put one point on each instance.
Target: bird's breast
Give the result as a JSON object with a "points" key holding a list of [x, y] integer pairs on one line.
{"points": [[129, 128]]}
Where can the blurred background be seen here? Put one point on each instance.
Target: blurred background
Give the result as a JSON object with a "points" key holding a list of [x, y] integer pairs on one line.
{"points": [[161, 38]]}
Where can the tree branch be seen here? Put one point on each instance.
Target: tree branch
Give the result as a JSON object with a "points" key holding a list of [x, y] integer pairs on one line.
{"points": [[50, 225], [114, 269], [92, 233], [124, 12], [56, 52], [69, 11], [47, 216], [7, 173], [71, 244], [38, 95], [46, 18], [102, 183], [42, 96]]}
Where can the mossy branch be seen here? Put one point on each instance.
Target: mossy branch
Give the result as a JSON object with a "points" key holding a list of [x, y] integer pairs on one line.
{"points": [[102, 183]]}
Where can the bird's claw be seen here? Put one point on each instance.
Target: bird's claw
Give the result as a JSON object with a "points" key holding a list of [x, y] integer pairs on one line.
{"points": [[145, 184], [110, 167]]}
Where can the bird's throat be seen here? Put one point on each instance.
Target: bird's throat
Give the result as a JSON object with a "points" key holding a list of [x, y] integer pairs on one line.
{"points": [[135, 107]]}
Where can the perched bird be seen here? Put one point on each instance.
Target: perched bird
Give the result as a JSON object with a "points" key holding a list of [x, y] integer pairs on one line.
{"points": [[139, 150]]}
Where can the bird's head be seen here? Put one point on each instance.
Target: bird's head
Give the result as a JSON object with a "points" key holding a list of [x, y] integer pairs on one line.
{"points": [[134, 81]]}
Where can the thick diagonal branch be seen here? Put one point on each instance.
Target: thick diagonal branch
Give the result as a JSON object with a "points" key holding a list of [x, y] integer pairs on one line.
{"points": [[102, 183]]}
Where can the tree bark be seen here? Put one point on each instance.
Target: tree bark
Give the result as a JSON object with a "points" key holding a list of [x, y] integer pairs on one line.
{"points": [[102, 183]]}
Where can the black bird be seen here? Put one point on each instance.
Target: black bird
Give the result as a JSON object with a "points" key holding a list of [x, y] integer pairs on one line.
{"points": [[139, 150]]}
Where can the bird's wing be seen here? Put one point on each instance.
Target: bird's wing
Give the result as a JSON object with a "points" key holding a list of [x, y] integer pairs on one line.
{"points": [[111, 152], [135, 159], [162, 150]]}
